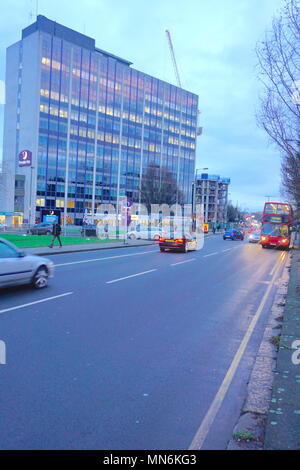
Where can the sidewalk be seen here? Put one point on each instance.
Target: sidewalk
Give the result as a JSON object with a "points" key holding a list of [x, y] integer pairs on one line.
{"points": [[46, 251], [283, 421], [56, 250]]}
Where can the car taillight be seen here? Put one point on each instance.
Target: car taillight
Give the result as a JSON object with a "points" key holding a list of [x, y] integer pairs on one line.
{"points": [[179, 240], [161, 239]]}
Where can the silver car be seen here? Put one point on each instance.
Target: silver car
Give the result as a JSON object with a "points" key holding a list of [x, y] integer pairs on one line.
{"points": [[16, 267], [254, 236]]}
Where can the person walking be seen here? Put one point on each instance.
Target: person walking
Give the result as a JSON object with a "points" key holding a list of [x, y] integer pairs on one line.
{"points": [[56, 231]]}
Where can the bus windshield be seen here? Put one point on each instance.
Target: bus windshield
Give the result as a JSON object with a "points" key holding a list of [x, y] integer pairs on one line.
{"points": [[276, 230]]}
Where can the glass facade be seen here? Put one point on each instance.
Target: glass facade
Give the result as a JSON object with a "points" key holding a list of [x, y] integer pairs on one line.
{"points": [[102, 124]]}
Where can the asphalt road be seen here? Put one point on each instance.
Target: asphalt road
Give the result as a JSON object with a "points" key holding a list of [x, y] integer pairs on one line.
{"points": [[129, 349]]}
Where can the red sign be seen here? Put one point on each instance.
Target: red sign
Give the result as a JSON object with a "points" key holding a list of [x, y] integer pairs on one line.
{"points": [[25, 158]]}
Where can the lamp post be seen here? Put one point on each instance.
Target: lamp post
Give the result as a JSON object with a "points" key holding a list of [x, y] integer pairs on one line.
{"points": [[30, 195]]}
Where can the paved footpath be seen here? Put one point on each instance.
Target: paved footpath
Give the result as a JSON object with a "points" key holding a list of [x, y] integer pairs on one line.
{"points": [[283, 423], [56, 250]]}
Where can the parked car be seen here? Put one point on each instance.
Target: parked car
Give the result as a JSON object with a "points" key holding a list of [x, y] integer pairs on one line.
{"points": [[41, 229], [145, 234], [233, 235], [89, 231], [178, 242], [254, 236], [16, 267]]}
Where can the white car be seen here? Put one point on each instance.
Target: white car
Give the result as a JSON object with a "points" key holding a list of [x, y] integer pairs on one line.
{"points": [[16, 267], [151, 234]]}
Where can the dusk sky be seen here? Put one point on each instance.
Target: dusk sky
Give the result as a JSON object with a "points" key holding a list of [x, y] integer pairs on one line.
{"points": [[214, 44]]}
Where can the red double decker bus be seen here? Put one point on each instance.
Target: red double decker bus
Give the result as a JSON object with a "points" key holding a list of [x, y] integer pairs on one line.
{"points": [[277, 222]]}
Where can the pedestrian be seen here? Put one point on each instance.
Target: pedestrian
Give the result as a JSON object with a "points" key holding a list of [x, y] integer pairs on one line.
{"points": [[56, 231], [214, 229]]}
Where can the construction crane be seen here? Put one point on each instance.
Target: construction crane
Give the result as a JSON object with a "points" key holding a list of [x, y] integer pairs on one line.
{"points": [[199, 129], [173, 58]]}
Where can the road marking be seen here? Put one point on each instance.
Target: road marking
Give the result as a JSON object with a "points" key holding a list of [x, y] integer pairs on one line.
{"points": [[210, 254], [280, 258], [182, 262], [263, 282], [132, 275], [102, 259], [228, 249], [213, 410], [36, 302]]}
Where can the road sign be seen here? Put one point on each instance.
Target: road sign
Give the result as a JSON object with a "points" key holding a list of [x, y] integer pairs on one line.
{"points": [[25, 158], [205, 227]]}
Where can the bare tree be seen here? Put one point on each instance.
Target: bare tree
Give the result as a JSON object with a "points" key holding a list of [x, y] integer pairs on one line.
{"points": [[279, 71], [290, 175], [159, 187]]}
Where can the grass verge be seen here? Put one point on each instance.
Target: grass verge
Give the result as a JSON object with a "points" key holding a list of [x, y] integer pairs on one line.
{"points": [[35, 241]]}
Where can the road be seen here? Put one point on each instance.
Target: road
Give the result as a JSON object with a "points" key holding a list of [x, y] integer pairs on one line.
{"points": [[129, 349]]}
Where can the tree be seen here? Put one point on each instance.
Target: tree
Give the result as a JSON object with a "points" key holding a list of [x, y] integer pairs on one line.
{"points": [[290, 175], [279, 71], [159, 187], [234, 214]]}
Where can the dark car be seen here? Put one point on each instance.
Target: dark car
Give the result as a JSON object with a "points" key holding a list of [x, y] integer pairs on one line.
{"points": [[89, 230], [41, 229], [233, 235], [182, 243]]}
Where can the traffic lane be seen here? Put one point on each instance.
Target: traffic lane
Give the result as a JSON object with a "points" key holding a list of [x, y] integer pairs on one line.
{"points": [[130, 344], [95, 265], [96, 273]]}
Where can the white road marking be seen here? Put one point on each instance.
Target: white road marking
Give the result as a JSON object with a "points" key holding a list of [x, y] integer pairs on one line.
{"points": [[36, 302], [228, 249], [263, 282], [182, 262], [103, 259], [210, 254], [132, 275], [211, 414]]}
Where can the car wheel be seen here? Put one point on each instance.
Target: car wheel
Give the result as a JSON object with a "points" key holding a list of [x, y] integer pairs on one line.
{"points": [[40, 279], [263, 246], [161, 249], [185, 248], [132, 236], [48, 233]]}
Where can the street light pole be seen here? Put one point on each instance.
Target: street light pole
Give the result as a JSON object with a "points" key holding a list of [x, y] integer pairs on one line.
{"points": [[30, 195]]}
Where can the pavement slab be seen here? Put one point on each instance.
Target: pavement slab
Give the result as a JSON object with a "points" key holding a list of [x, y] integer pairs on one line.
{"points": [[283, 423]]}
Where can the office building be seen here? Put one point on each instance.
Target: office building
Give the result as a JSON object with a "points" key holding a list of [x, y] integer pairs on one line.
{"points": [[82, 126]]}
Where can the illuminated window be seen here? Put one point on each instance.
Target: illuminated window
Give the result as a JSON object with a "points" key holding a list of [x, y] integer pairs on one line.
{"points": [[71, 204], [60, 203], [40, 202], [45, 61]]}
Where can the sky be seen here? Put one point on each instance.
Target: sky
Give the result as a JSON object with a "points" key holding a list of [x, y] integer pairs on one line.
{"points": [[214, 44]]}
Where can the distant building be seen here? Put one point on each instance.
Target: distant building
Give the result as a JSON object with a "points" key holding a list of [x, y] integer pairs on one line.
{"points": [[212, 192], [92, 123]]}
